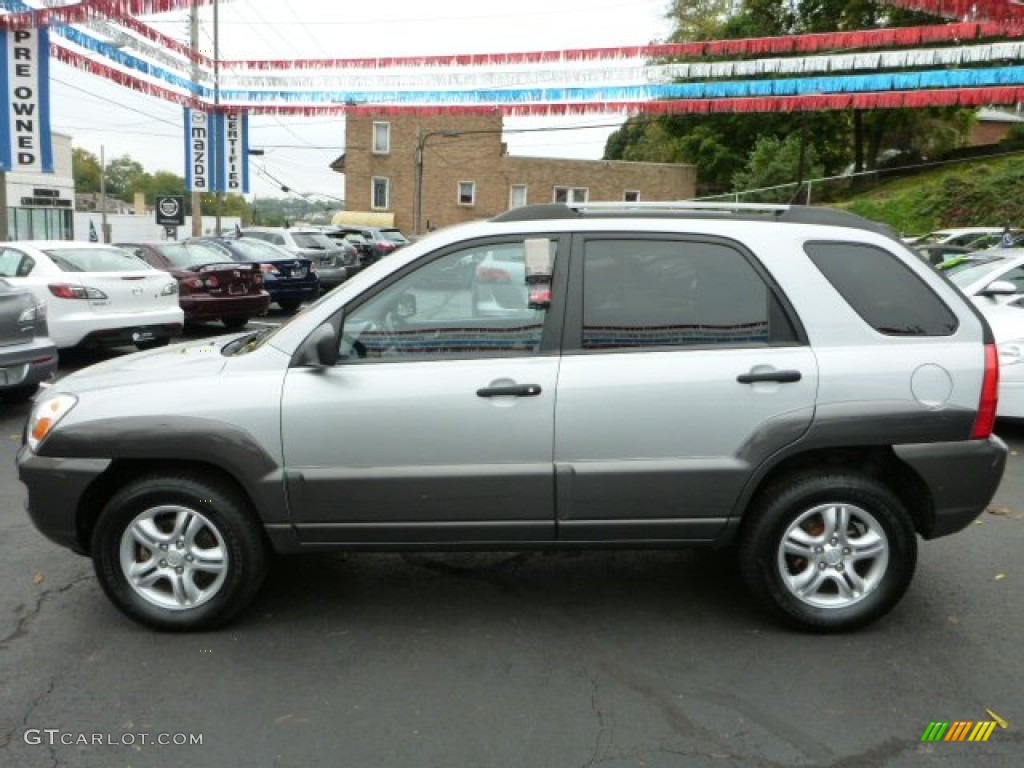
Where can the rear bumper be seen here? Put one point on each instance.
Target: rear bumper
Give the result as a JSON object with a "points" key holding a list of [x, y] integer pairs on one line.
{"points": [[69, 329], [55, 489], [332, 277], [23, 365], [962, 478], [201, 307], [299, 290], [1011, 392], [120, 337]]}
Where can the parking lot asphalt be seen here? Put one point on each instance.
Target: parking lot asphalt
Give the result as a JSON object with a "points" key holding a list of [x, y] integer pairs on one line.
{"points": [[604, 658]]}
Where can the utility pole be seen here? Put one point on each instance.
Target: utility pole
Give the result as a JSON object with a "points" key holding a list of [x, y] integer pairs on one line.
{"points": [[417, 202], [218, 149], [197, 196]]}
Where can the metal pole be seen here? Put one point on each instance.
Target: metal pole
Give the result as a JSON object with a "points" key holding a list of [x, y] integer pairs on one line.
{"points": [[197, 196], [103, 195], [417, 203], [218, 150], [4, 224]]}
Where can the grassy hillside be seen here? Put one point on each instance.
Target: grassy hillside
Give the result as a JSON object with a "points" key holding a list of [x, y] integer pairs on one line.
{"points": [[964, 194]]}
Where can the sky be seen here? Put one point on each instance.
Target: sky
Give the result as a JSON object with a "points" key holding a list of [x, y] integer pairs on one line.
{"points": [[298, 150]]}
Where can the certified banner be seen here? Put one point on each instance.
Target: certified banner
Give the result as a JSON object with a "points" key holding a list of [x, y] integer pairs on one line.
{"points": [[233, 152], [198, 151], [25, 81]]}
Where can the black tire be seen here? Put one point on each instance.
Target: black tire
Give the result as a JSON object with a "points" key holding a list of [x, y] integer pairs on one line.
{"points": [[20, 394], [289, 306], [235, 323], [215, 509], [152, 343], [865, 567]]}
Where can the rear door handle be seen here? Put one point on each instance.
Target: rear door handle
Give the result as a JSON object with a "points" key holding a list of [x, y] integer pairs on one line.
{"points": [[782, 377], [514, 390]]}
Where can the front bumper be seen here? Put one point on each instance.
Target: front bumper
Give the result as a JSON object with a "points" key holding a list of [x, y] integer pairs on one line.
{"points": [[55, 489], [962, 478]]}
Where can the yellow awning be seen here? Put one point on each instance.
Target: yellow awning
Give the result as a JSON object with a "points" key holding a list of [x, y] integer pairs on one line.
{"points": [[363, 218]]}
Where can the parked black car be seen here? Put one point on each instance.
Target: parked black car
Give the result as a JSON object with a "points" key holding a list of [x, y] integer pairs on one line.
{"points": [[288, 279]]}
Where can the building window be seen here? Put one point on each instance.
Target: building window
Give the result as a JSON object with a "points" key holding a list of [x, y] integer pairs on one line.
{"points": [[517, 196], [467, 193], [380, 193], [381, 138], [631, 196], [570, 195]]}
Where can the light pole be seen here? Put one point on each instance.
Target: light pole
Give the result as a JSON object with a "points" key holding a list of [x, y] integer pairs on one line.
{"points": [[417, 204]]}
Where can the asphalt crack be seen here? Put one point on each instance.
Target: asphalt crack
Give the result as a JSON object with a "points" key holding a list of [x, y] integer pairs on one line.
{"points": [[22, 627]]}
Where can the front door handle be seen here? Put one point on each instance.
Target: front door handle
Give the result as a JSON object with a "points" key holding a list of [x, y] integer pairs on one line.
{"points": [[514, 390], [782, 377]]}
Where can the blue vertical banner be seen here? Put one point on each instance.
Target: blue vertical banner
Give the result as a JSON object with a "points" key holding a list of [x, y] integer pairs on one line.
{"points": [[25, 141], [233, 152], [199, 140]]}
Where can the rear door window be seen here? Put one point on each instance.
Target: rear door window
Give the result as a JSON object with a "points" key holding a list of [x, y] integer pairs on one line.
{"points": [[676, 293], [883, 290]]}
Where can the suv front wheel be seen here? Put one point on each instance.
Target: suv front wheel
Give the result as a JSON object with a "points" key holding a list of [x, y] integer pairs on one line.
{"points": [[828, 552], [179, 551]]}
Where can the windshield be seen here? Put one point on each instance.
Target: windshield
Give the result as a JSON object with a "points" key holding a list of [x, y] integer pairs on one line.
{"points": [[192, 254], [251, 249], [393, 235], [251, 341], [96, 260], [312, 240], [974, 272]]}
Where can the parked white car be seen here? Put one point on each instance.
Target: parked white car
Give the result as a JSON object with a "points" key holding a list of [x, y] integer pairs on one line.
{"points": [[1007, 324], [96, 295], [968, 237], [999, 281]]}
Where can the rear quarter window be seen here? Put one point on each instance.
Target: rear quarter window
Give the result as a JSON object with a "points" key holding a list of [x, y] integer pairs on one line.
{"points": [[882, 289]]}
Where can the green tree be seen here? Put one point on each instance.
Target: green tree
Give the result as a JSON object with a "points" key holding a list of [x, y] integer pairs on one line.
{"points": [[85, 169], [122, 175], [776, 162]]}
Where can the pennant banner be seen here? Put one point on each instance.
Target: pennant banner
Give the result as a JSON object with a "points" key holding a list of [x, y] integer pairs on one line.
{"points": [[25, 81]]}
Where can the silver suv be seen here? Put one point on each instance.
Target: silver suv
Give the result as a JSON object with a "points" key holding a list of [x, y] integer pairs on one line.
{"points": [[790, 381]]}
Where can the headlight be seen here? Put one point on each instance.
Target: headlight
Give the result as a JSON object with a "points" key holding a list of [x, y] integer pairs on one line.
{"points": [[1011, 352], [44, 418]]}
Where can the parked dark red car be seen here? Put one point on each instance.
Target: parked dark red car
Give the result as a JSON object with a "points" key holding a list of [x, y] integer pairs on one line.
{"points": [[210, 286]]}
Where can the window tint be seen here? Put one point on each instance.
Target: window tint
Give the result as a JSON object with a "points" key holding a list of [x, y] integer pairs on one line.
{"points": [[471, 303], [652, 293], [882, 290]]}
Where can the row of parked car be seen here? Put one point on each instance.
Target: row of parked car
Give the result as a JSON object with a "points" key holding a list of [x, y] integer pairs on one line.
{"points": [[62, 294]]}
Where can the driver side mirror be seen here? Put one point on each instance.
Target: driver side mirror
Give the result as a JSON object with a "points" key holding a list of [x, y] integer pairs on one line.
{"points": [[320, 349]]}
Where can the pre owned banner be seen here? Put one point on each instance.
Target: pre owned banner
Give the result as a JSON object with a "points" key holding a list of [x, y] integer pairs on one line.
{"points": [[198, 151], [25, 81]]}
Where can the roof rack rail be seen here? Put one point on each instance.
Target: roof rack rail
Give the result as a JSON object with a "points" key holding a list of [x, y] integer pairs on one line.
{"points": [[793, 214], [680, 205]]}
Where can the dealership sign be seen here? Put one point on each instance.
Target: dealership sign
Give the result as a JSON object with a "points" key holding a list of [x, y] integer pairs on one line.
{"points": [[25, 80], [216, 152], [170, 210]]}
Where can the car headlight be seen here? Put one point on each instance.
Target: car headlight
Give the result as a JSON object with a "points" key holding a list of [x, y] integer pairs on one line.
{"points": [[1011, 352], [45, 416]]}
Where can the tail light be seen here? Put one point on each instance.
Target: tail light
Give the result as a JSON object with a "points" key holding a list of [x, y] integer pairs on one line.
{"points": [[985, 421], [492, 275], [257, 279], [212, 282], [269, 269], [191, 285], [67, 291]]}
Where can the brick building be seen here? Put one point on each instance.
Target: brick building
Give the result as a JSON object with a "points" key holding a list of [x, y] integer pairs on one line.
{"points": [[465, 172]]}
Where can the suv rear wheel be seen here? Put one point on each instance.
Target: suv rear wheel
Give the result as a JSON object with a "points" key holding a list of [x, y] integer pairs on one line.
{"points": [[828, 552], [179, 551]]}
